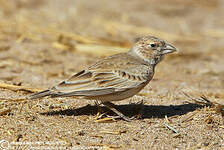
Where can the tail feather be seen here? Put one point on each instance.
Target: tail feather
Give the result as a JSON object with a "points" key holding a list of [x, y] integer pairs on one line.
{"points": [[53, 93], [41, 94]]}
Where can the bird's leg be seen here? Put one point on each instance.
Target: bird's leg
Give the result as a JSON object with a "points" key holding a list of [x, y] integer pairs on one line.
{"points": [[97, 105], [111, 107], [99, 110], [140, 112]]}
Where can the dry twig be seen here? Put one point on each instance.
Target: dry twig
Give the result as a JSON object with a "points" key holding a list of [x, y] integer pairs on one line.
{"points": [[5, 112], [171, 128], [18, 88], [105, 120], [113, 132], [203, 100]]}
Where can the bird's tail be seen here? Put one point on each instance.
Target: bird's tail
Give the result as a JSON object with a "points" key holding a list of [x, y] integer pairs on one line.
{"points": [[53, 94], [41, 94]]}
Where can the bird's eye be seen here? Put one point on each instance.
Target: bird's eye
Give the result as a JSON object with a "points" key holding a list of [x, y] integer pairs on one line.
{"points": [[153, 45]]}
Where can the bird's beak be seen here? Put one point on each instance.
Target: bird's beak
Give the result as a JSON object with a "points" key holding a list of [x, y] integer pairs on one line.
{"points": [[168, 49]]}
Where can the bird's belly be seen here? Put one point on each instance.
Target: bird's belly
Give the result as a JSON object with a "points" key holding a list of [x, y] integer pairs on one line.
{"points": [[117, 96]]}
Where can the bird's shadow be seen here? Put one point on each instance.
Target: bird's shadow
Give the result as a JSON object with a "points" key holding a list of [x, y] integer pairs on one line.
{"points": [[148, 111]]}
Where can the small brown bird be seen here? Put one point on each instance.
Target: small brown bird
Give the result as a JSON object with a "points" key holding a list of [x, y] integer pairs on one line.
{"points": [[116, 77]]}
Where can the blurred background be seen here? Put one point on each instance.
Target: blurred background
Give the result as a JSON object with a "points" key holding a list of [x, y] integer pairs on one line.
{"points": [[38, 34], [45, 41]]}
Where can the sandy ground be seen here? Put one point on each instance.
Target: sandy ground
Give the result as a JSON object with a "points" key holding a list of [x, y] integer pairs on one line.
{"points": [[43, 42]]}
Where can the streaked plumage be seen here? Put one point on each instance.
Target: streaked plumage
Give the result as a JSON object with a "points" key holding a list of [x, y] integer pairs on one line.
{"points": [[116, 77]]}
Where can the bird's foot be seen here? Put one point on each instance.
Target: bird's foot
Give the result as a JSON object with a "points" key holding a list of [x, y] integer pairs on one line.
{"points": [[124, 118], [120, 115]]}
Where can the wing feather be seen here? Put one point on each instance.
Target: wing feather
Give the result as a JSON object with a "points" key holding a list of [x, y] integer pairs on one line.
{"points": [[96, 82]]}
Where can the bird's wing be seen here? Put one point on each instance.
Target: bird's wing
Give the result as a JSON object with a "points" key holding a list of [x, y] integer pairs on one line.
{"points": [[97, 82]]}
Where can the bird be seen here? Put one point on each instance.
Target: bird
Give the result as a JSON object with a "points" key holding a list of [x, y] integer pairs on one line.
{"points": [[115, 77]]}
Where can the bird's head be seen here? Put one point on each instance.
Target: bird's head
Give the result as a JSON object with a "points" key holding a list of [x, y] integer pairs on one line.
{"points": [[151, 49]]}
